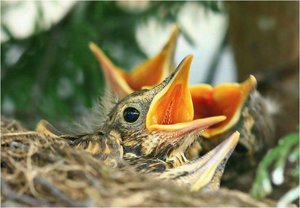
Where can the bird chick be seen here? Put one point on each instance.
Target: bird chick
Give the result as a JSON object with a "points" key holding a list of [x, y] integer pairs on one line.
{"points": [[155, 127], [148, 74], [245, 109], [154, 122], [202, 173]]}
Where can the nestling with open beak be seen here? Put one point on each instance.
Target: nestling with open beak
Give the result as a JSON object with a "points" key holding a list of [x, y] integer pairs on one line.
{"points": [[152, 128], [148, 74], [245, 110], [152, 122]]}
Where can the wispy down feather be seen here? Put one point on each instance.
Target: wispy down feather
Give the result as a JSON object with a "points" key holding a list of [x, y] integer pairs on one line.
{"points": [[96, 117]]}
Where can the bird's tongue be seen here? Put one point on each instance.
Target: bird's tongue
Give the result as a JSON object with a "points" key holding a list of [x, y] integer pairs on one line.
{"points": [[172, 108]]}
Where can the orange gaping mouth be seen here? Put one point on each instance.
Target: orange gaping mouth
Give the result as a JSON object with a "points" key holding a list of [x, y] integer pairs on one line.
{"points": [[174, 103], [225, 99], [147, 74], [172, 109], [177, 103]]}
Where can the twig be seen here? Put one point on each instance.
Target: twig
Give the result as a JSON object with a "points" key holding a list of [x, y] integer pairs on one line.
{"points": [[7, 192], [27, 133], [58, 194]]}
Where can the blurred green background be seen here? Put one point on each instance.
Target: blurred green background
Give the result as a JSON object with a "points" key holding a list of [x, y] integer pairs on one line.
{"points": [[51, 73]]}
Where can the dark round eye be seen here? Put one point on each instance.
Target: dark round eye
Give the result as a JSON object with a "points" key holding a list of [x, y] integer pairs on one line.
{"points": [[131, 114]]}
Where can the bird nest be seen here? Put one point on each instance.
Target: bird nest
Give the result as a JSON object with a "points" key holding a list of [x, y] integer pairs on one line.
{"points": [[42, 171]]}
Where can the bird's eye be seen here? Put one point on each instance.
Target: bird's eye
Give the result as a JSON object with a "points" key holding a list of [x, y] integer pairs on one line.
{"points": [[131, 114]]}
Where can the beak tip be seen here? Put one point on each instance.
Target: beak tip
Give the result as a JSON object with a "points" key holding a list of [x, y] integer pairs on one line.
{"points": [[249, 85], [175, 30], [187, 61], [189, 57], [92, 46], [253, 80], [236, 133], [236, 136]]}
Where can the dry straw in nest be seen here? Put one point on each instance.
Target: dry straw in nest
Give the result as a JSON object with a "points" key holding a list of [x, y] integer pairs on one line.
{"points": [[41, 171]]}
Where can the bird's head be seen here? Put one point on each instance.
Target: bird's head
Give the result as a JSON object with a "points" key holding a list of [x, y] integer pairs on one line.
{"points": [[156, 122], [159, 121], [226, 99]]}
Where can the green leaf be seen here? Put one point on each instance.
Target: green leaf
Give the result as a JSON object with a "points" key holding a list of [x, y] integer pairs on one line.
{"points": [[286, 151]]}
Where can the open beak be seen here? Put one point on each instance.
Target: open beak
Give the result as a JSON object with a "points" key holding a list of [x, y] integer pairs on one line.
{"points": [[148, 74], [171, 110], [204, 172], [225, 99], [154, 70], [114, 76]]}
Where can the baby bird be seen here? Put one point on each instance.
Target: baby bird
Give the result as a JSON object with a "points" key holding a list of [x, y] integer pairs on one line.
{"points": [[151, 129], [245, 109], [148, 74]]}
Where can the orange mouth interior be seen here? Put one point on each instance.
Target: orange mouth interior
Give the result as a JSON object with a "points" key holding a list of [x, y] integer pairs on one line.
{"points": [[174, 103], [148, 74], [225, 99], [177, 103]]}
